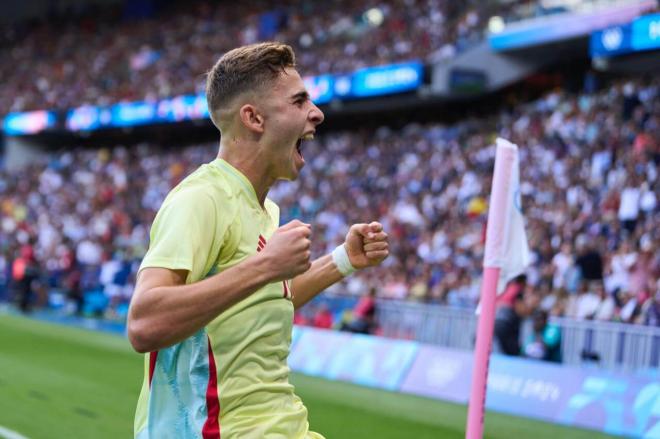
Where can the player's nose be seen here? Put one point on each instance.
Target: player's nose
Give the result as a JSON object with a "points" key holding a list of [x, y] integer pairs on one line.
{"points": [[316, 116]]}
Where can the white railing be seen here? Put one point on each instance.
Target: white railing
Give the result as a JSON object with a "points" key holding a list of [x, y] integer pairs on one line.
{"points": [[615, 346]]}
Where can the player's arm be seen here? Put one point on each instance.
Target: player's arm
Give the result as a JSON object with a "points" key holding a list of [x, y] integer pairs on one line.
{"points": [[366, 246], [164, 310]]}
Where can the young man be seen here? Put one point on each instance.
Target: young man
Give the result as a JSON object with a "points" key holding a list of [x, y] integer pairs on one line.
{"points": [[215, 295]]}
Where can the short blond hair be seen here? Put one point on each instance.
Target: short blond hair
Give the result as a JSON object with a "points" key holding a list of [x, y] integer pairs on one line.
{"points": [[244, 69]]}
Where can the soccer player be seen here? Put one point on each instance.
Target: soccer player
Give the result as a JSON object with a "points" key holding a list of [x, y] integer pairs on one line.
{"points": [[215, 295]]}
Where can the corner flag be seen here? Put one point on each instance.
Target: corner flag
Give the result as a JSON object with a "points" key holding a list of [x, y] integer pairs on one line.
{"points": [[515, 257], [506, 256]]}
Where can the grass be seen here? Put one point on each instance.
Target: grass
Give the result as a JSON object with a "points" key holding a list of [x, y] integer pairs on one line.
{"points": [[63, 382]]}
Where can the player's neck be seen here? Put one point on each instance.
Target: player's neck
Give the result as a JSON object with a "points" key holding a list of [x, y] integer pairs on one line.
{"points": [[251, 166]]}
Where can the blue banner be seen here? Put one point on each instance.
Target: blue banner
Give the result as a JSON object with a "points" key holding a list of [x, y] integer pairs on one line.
{"points": [[87, 118], [137, 113], [362, 359], [559, 27], [641, 34], [182, 108], [134, 113], [33, 122], [646, 32], [368, 82], [614, 403], [378, 81], [612, 41]]}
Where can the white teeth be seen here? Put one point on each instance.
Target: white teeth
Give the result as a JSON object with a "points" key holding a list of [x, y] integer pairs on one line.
{"points": [[309, 136]]}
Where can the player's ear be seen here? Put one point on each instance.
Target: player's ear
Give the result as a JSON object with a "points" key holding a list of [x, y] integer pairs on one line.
{"points": [[251, 118]]}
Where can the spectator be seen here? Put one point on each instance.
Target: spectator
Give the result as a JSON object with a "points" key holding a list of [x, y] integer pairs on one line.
{"points": [[25, 274], [544, 342], [512, 307], [621, 263], [364, 314], [651, 309], [606, 305], [561, 263], [323, 317], [629, 310], [587, 302], [629, 207], [589, 260]]}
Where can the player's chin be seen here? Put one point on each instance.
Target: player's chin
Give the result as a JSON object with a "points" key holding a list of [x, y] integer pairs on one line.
{"points": [[291, 174]]}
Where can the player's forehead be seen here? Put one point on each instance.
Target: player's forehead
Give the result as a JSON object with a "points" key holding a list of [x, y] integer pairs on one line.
{"points": [[289, 83]]}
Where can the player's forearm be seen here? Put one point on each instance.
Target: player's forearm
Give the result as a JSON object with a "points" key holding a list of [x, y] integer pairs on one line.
{"points": [[164, 315], [320, 276]]}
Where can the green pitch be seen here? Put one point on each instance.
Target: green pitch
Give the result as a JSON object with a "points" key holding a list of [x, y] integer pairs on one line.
{"points": [[61, 382]]}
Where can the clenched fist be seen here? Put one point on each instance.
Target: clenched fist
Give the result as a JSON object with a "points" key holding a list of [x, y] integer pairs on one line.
{"points": [[366, 245], [288, 252]]}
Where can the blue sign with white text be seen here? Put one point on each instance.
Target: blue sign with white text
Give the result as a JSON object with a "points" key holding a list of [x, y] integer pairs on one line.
{"points": [[641, 34], [396, 78], [31, 122], [646, 32], [368, 82], [612, 41]]}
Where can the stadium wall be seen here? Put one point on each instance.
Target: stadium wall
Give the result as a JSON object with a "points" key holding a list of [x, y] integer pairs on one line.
{"points": [[614, 403], [21, 151]]}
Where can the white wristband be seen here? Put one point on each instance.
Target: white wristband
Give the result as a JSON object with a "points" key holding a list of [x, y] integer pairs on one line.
{"points": [[340, 258]]}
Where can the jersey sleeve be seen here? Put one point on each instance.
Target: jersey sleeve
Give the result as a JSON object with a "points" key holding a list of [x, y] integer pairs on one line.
{"points": [[187, 234]]}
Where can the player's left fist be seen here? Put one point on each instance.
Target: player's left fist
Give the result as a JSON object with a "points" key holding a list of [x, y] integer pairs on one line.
{"points": [[366, 245]]}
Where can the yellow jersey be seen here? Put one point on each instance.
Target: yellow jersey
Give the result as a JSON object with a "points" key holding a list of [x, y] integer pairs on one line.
{"points": [[230, 379]]}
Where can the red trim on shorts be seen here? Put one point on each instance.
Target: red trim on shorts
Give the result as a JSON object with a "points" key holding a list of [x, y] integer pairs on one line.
{"points": [[211, 429], [152, 365]]}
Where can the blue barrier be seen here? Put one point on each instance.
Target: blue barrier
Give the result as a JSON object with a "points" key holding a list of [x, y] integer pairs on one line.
{"points": [[614, 403]]}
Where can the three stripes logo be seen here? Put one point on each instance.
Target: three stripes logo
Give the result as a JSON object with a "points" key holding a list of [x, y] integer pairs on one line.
{"points": [[260, 246]]}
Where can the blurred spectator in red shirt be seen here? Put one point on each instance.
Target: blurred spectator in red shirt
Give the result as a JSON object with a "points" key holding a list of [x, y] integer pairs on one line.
{"points": [[323, 317]]}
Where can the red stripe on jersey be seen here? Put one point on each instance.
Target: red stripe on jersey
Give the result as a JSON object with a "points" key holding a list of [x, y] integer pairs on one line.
{"points": [[261, 244], [211, 429], [152, 365]]}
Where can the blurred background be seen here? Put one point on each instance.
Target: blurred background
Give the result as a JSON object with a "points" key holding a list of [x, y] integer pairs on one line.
{"points": [[103, 112]]}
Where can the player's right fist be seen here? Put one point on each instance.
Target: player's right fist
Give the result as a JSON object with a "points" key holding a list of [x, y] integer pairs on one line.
{"points": [[287, 253]]}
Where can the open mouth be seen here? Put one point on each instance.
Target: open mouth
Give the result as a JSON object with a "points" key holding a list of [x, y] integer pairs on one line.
{"points": [[308, 136]]}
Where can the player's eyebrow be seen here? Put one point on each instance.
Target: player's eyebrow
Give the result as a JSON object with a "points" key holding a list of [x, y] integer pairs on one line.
{"points": [[300, 95]]}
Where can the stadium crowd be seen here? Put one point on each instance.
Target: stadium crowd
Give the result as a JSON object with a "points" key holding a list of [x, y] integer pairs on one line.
{"points": [[107, 57], [589, 172]]}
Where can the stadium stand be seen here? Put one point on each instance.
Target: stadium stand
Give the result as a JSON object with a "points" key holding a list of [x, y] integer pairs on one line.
{"points": [[115, 60], [589, 167]]}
